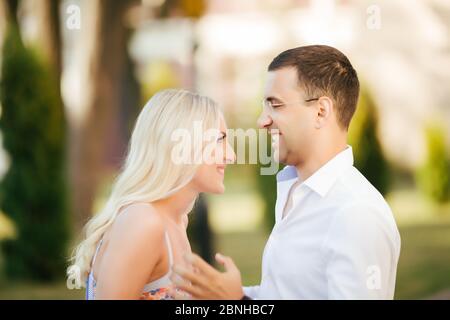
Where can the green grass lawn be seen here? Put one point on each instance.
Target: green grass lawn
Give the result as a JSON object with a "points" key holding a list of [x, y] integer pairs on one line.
{"points": [[57, 291], [424, 266], [423, 270]]}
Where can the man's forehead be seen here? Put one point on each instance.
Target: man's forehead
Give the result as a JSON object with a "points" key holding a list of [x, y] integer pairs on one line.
{"points": [[281, 82]]}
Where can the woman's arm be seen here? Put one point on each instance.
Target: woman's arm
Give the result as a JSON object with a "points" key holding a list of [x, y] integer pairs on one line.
{"points": [[135, 246]]}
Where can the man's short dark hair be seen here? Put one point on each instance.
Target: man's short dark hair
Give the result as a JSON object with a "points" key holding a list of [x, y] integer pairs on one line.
{"points": [[324, 70]]}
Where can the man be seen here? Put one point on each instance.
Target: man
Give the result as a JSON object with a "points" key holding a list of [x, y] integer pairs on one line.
{"points": [[334, 235]]}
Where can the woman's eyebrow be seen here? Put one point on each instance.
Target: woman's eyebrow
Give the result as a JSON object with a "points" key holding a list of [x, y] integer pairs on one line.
{"points": [[224, 134]]}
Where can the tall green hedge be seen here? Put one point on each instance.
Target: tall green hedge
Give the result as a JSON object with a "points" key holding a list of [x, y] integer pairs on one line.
{"points": [[433, 177], [267, 187], [33, 191], [368, 155]]}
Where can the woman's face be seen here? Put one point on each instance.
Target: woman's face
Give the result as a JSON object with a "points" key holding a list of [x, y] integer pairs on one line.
{"points": [[217, 154]]}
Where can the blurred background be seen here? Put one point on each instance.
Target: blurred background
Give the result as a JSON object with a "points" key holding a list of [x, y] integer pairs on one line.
{"points": [[75, 74]]}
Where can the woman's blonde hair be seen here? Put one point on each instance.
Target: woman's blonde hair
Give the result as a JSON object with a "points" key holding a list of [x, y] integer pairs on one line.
{"points": [[148, 173]]}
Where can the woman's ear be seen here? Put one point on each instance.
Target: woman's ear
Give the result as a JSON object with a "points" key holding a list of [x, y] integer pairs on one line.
{"points": [[324, 109]]}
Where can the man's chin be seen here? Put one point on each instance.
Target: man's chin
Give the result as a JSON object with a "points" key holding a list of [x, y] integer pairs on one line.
{"points": [[287, 159], [280, 157]]}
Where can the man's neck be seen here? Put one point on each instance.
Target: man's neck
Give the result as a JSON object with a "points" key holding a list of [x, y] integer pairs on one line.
{"points": [[317, 159]]}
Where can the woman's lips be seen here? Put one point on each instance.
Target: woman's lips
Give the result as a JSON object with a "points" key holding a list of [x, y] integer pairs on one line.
{"points": [[221, 170]]}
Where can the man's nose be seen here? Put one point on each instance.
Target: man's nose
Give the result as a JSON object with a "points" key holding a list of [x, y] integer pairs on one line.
{"points": [[264, 120]]}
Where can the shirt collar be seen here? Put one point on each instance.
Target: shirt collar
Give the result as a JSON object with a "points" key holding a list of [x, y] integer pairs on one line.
{"points": [[323, 179]]}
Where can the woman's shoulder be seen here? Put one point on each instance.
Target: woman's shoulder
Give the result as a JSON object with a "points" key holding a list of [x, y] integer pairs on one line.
{"points": [[139, 222]]}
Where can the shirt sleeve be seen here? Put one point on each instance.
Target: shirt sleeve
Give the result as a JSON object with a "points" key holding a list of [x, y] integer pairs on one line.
{"points": [[362, 249], [251, 291]]}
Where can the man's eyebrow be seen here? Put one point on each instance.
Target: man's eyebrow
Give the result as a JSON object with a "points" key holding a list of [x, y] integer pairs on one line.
{"points": [[272, 98]]}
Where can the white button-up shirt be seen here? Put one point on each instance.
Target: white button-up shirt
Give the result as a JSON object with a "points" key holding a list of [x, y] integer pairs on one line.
{"points": [[339, 239]]}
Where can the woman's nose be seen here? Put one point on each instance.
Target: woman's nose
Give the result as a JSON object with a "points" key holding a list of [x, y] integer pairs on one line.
{"points": [[230, 155]]}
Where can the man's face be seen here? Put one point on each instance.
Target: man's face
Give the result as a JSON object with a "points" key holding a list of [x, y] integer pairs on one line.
{"points": [[294, 118]]}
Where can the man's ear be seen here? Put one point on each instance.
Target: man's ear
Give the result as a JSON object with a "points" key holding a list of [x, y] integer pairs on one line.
{"points": [[324, 110]]}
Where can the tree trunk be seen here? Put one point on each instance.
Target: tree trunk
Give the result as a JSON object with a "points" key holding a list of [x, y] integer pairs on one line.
{"points": [[10, 9], [47, 12], [3, 21], [105, 46]]}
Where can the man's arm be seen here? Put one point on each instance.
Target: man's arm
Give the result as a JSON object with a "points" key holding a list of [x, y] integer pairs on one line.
{"points": [[251, 292], [362, 251]]}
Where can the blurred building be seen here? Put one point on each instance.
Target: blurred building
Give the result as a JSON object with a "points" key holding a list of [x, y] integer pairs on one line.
{"points": [[400, 49]]}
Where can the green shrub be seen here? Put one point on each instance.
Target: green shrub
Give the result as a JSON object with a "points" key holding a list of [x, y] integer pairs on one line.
{"points": [[433, 177], [33, 191], [367, 151], [267, 187]]}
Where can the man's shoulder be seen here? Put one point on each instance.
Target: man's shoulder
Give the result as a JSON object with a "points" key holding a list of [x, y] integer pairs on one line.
{"points": [[358, 202], [354, 187], [354, 195]]}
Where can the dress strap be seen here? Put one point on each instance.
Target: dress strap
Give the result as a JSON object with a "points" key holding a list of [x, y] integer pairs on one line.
{"points": [[169, 249], [96, 251]]}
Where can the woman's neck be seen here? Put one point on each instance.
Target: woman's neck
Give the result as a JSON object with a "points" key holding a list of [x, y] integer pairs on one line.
{"points": [[178, 205]]}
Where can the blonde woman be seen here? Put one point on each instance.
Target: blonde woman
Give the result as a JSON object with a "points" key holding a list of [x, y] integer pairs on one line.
{"points": [[131, 244]]}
